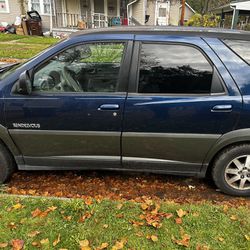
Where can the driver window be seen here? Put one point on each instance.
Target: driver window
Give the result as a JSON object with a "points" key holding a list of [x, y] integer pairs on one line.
{"points": [[83, 68]]}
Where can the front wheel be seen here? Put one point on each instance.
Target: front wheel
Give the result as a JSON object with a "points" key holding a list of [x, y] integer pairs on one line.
{"points": [[231, 170]]}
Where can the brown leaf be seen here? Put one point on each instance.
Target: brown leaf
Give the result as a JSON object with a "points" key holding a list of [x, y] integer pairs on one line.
{"points": [[84, 245], [119, 244], [12, 225], [119, 206], [3, 245], [221, 239], [234, 217], [119, 216], [36, 244], [168, 215], [33, 234], [202, 247], [17, 244], [181, 213], [57, 240], [44, 241], [154, 238], [156, 209], [178, 221], [144, 206], [137, 223], [36, 212], [247, 237], [88, 201], [184, 241], [67, 218], [103, 246]]}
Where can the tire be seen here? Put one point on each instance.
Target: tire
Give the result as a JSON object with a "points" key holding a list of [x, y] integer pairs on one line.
{"points": [[231, 170], [7, 164]]}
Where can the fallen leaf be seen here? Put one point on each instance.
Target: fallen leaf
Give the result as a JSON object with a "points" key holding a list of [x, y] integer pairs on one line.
{"points": [[12, 225], [119, 216], [67, 218], [36, 244], [17, 206], [103, 246], [221, 239], [44, 241], [88, 201], [17, 244], [144, 206], [57, 240], [105, 226], [234, 217], [181, 213], [184, 241], [52, 208], [33, 234], [36, 212], [247, 237], [154, 238], [137, 223], [3, 245], [202, 247], [225, 208], [168, 215], [119, 206], [119, 244], [84, 245], [178, 221]]}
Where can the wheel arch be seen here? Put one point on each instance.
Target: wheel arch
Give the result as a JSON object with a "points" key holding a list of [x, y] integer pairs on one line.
{"points": [[231, 139]]}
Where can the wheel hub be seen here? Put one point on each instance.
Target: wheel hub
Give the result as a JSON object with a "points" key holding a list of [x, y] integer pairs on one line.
{"points": [[237, 173]]}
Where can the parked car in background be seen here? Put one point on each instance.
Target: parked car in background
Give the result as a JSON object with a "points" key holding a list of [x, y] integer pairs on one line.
{"points": [[163, 100]]}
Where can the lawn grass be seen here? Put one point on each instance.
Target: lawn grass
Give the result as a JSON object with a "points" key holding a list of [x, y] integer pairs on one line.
{"points": [[208, 225], [23, 47], [20, 51]]}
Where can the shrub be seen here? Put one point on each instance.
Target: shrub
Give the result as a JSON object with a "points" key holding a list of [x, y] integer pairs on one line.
{"points": [[208, 20]]}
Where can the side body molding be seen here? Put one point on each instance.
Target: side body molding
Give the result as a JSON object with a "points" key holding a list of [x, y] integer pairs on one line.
{"points": [[236, 136], [7, 140]]}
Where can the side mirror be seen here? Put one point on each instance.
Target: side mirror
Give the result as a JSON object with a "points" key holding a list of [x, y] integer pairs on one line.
{"points": [[24, 84]]}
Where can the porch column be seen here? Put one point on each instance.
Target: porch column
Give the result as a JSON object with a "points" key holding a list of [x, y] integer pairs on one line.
{"points": [[92, 11], [106, 12], [118, 7], [235, 19]]}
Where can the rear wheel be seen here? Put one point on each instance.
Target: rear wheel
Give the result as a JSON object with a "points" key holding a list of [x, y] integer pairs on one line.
{"points": [[231, 170], [7, 164]]}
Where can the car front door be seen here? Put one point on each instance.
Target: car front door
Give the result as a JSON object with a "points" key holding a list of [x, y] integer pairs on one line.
{"points": [[73, 117], [177, 105]]}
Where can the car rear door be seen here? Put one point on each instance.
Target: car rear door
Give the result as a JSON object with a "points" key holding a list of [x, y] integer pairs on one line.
{"points": [[181, 100], [73, 117]]}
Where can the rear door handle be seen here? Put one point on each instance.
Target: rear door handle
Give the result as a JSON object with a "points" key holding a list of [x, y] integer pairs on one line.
{"points": [[109, 107], [222, 108]]}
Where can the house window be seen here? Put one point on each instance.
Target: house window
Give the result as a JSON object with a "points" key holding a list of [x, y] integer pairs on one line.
{"points": [[35, 5], [4, 6], [41, 6]]}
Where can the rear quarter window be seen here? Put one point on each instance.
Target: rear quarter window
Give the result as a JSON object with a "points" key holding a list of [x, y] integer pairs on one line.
{"points": [[240, 47]]}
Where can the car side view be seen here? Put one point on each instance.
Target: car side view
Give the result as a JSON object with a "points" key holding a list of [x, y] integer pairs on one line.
{"points": [[163, 100]]}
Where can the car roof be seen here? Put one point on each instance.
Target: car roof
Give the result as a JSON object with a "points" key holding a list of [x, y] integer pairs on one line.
{"points": [[169, 30]]}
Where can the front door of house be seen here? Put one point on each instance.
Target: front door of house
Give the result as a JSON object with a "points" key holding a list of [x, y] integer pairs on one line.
{"points": [[163, 13]]}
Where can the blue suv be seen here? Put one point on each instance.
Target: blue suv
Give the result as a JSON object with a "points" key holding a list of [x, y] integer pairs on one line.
{"points": [[163, 100]]}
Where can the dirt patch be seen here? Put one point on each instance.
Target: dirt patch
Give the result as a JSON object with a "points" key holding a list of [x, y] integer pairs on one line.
{"points": [[118, 186]]}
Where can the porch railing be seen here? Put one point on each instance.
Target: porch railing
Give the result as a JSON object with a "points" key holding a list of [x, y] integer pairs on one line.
{"points": [[67, 20]]}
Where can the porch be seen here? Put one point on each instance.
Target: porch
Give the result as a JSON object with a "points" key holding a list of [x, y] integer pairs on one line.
{"points": [[81, 14]]}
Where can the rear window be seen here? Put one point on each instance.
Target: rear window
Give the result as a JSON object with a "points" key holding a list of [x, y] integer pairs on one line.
{"points": [[242, 48]]}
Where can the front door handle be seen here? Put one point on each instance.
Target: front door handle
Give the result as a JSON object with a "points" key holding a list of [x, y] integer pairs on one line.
{"points": [[222, 108], [109, 107]]}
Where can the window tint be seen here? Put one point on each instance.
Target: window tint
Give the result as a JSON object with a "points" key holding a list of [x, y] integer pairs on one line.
{"points": [[84, 68], [176, 69], [242, 48]]}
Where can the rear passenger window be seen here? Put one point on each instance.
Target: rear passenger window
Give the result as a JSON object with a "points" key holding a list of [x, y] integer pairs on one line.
{"points": [[242, 48], [175, 69]]}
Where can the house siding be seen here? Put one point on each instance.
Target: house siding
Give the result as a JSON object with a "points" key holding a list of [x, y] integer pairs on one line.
{"points": [[138, 11], [14, 11], [174, 12], [151, 12]]}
